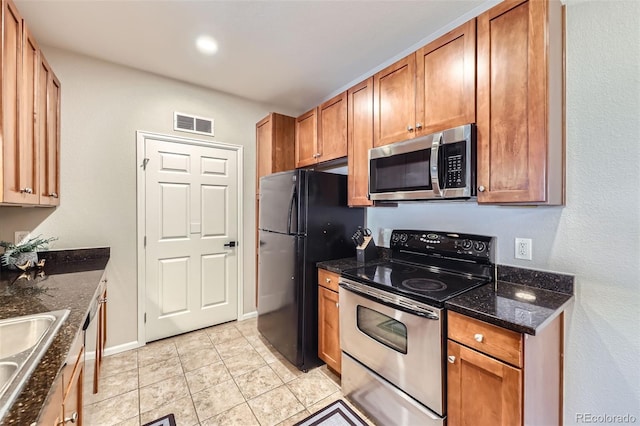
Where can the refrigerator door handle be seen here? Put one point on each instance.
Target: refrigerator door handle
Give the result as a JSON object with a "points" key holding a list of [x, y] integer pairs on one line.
{"points": [[294, 197]]}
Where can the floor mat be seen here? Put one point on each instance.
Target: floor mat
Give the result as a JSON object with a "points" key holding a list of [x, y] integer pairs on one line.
{"points": [[334, 414], [167, 420]]}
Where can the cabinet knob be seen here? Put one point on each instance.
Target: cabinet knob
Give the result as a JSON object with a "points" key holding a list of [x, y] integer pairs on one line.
{"points": [[418, 126], [27, 190], [328, 280], [102, 300], [337, 304], [451, 359], [410, 128], [53, 194], [479, 337], [481, 188], [72, 419]]}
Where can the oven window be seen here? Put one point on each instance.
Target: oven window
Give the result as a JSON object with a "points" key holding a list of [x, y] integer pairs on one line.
{"points": [[382, 328], [401, 172]]}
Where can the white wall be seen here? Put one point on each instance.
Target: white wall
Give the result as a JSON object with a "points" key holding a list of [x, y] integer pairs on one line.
{"points": [[102, 107], [596, 236]]}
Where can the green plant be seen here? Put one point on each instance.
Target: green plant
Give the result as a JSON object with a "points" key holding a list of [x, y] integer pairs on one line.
{"points": [[32, 244]]}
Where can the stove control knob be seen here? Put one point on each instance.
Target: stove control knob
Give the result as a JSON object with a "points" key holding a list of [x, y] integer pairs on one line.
{"points": [[395, 238], [479, 246], [404, 238], [466, 244]]}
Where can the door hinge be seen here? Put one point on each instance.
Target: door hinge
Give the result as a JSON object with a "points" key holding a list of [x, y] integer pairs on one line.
{"points": [[144, 164], [145, 317], [145, 241]]}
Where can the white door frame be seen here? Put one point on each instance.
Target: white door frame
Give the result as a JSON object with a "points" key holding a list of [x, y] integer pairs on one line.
{"points": [[141, 137]]}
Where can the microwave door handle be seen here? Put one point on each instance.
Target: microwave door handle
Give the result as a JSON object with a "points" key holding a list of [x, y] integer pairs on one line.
{"points": [[434, 163]]}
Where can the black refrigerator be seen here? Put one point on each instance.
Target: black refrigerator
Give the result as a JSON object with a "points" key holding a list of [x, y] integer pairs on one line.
{"points": [[304, 219]]}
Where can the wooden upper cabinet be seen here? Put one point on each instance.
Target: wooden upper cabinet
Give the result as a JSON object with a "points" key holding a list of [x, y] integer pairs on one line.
{"points": [[446, 81], [30, 118], [359, 141], [12, 191], [394, 102], [321, 134], [49, 130], [275, 143], [332, 128], [307, 138], [29, 140], [520, 103]]}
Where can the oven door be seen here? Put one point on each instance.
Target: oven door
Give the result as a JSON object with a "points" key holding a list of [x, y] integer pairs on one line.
{"points": [[402, 347]]}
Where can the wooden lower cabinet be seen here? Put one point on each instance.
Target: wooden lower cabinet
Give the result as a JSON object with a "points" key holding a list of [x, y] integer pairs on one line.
{"points": [[64, 405], [101, 336], [482, 390], [72, 402], [329, 320], [497, 377]]}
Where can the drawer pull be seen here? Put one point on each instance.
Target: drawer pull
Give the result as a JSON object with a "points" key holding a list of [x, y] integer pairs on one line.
{"points": [[451, 359], [72, 419], [479, 337]]}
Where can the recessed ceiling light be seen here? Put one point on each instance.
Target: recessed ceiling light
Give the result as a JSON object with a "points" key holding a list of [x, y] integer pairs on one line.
{"points": [[207, 45]]}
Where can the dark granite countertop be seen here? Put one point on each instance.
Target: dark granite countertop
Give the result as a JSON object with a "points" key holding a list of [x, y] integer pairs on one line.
{"points": [[525, 307], [69, 280], [339, 265]]}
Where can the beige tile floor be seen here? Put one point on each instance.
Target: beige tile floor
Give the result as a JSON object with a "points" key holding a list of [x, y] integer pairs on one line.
{"points": [[223, 375]]}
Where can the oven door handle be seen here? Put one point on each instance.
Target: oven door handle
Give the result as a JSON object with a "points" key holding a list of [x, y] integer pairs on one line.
{"points": [[397, 302]]}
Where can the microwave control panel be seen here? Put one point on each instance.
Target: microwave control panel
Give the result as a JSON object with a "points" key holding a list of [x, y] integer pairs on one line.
{"points": [[455, 165]]}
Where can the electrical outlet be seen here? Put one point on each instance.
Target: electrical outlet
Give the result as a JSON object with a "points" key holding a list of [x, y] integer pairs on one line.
{"points": [[524, 248], [20, 235]]}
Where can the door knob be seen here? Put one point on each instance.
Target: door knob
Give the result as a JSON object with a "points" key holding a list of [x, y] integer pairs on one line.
{"points": [[230, 244]]}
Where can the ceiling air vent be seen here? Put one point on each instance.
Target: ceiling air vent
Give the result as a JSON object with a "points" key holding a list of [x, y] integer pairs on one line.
{"points": [[192, 124]]}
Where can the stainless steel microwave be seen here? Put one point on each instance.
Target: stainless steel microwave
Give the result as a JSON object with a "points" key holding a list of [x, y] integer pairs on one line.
{"points": [[436, 166]]}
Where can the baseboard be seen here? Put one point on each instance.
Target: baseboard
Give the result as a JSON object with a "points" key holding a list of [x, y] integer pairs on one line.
{"points": [[90, 355], [248, 315]]}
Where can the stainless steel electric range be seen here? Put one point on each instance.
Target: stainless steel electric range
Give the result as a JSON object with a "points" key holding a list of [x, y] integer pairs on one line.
{"points": [[393, 322]]}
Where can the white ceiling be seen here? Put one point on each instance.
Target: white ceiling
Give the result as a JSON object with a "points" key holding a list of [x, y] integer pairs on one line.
{"points": [[291, 54]]}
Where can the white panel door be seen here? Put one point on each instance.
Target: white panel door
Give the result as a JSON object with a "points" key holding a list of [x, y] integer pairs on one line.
{"points": [[191, 203]]}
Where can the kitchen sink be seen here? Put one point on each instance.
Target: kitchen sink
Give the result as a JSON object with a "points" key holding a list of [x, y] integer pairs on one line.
{"points": [[7, 370], [20, 334], [23, 342]]}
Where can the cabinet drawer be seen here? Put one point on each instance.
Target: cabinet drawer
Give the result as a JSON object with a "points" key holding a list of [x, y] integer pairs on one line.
{"points": [[505, 345], [328, 279]]}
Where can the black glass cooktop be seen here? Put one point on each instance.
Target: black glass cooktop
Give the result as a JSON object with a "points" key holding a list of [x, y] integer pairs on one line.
{"points": [[429, 285]]}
